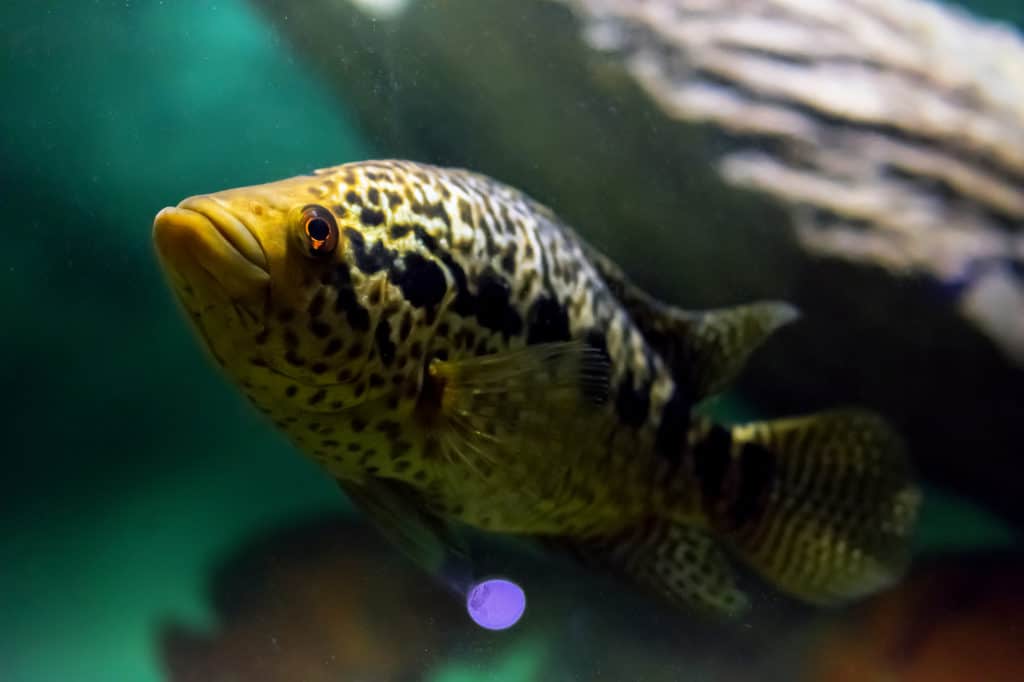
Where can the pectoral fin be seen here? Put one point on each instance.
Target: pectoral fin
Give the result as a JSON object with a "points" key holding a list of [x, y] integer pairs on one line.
{"points": [[529, 410], [398, 513]]}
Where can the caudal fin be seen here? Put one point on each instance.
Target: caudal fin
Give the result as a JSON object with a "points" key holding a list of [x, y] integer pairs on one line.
{"points": [[822, 506]]}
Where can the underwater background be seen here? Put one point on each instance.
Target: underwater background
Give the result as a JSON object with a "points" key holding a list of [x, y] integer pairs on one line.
{"points": [[138, 490]]}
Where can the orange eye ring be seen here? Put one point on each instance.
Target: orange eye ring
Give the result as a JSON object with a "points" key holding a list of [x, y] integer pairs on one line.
{"points": [[319, 230]]}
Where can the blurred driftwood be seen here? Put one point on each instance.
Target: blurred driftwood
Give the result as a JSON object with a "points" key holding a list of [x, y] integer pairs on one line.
{"points": [[862, 158], [892, 131], [330, 600]]}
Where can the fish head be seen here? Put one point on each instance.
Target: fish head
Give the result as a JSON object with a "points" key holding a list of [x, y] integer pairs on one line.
{"points": [[269, 278]]}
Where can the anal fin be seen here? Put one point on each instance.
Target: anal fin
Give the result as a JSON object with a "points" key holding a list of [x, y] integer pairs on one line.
{"points": [[681, 564]]}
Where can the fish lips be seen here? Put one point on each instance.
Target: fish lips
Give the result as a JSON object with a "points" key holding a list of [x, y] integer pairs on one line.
{"points": [[201, 243]]}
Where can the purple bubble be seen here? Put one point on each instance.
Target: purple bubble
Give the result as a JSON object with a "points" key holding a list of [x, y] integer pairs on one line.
{"points": [[496, 604]]}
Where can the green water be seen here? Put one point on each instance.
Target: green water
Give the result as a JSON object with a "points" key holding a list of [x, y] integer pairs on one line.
{"points": [[130, 467], [126, 451]]}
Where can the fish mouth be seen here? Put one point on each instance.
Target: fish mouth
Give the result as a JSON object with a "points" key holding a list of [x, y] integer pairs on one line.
{"points": [[199, 240]]}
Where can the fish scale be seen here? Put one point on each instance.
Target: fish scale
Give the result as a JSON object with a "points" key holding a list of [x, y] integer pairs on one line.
{"points": [[453, 353]]}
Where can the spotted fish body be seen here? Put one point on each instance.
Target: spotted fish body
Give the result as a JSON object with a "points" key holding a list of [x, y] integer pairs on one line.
{"points": [[449, 350]]}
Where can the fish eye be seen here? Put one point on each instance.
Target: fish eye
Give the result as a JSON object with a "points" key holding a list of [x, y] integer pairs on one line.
{"points": [[319, 231]]}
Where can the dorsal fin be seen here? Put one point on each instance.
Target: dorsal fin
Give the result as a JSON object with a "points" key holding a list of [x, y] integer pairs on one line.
{"points": [[704, 349]]}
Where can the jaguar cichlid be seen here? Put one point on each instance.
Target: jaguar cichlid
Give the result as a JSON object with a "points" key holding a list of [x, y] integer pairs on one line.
{"points": [[452, 353]]}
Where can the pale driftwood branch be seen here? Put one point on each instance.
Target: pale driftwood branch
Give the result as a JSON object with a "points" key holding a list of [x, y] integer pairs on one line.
{"points": [[893, 129]]}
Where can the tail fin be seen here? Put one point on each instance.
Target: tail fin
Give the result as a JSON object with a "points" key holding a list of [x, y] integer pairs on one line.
{"points": [[822, 506]]}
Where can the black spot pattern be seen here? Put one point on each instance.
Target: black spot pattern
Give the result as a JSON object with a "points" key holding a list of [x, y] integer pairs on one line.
{"points": [[464, 304], [711, 461], [321, 330], [425, 238], [421, 280], [757, 472], [332, 347], [358, 317], [493, 307], [432, 211], [376, 258], [371, 217], [547, 321], [385, 346], [633, 404], [673, 425], [316, 306], [406, 327], [508, 260]]}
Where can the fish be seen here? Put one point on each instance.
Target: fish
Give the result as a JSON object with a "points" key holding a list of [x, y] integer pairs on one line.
{"points": [[455, 355]]}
